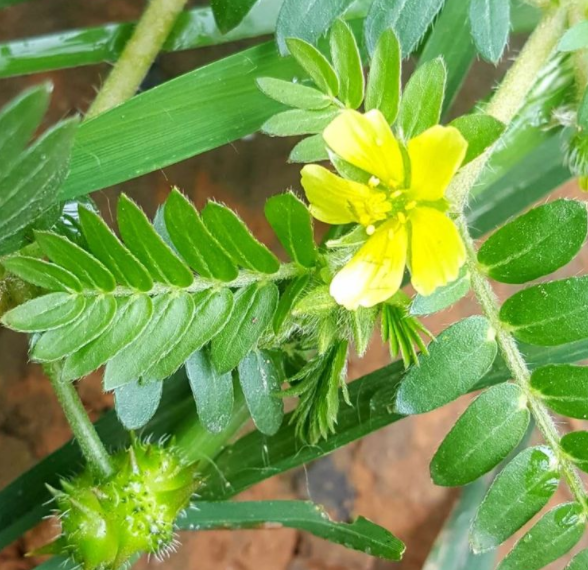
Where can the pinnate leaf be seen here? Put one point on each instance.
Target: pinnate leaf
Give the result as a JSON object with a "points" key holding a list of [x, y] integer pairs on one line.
{"points": [[580, 561], [228, 14], [575, 445], [293, 94], [490, 22], [484, 435], [442, 297], [299, 122], [521, 490], [310, 149], [347, 64], [480, 131], [457, 360], [315, 64], [575, 38]]}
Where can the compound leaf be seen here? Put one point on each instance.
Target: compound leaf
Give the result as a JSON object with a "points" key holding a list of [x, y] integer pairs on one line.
{"points": [[137, 402]]}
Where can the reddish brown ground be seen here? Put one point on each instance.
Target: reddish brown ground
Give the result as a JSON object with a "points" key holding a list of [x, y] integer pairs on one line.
{"points": [[384, 477]]}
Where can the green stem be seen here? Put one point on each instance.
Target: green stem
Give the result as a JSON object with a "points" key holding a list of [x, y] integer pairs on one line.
{"points": [[511, 95], [198, 444], [81, 426], [138, 55], [506, 102]]}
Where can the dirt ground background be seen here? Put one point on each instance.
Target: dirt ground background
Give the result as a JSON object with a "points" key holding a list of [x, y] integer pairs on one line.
{"points": [[384, 477]]}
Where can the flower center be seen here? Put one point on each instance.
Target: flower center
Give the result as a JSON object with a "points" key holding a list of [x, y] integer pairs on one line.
{"points": [[385, 205]]}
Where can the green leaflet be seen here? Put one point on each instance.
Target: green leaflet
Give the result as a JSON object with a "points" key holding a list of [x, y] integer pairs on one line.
{"points": [[299, 122], [92, 322], [580, 561], [132, 316], [490, 22], [149, 248], [480, 131], [311, 149], [536, 243], [422, 100], [102, 242], [228, 14], [442, 297], [212, 311], [457, 360], [213, 392], [197, 246], [42, 274], [171, 318], [291, 221], [575, 445], [29, 179], [521, 490], [260, 381], [136, 403], [384, 79], [307, 19], [564, 388], [409, 19], [347, 64], [450, 38], [549, 314], [20, 118], [45, 313], [361, 534], [556, 533], [483, 436], [575, 38], [315, 64], [253, 311], [288, 300], [236, 239], [363, 321], [293, 94], [72, 257]]}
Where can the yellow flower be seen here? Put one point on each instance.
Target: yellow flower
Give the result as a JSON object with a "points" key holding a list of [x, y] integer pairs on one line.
{"points": [[402, 206]]}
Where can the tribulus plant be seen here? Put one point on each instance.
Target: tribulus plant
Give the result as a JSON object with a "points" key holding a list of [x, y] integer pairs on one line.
{"points": [[197, 326]]}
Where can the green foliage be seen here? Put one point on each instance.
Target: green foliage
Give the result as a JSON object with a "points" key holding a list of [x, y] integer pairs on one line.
{"points": [[293, 94], [521, 490], [228, 14], [213, 392], [137, 402], [457, 360], [483, 436], [260, 380], [422, 100], [554, 535], [443, 297], [548, 314], [410, 20], [536, 243], [361, 534], [575, 38], [30, 177], [490, 22], [315, 64], [307, 19], [384, 80], [574, 444], [480, 131], [347, 64], [564, 388], [579, 562]]}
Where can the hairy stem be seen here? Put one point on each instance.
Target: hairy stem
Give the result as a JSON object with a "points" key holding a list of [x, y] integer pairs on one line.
{"points": [[81, 426], [138, 55], [579, 13], [506, 102], [511, 95]]}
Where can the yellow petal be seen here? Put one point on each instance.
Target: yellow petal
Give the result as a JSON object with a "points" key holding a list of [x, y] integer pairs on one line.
{"points": [[375, 272], [366, 141], [435, 157], [334, 200], [437, 252]]}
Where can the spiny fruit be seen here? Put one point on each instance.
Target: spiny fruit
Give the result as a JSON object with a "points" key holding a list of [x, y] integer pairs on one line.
{"points": [[105, 523]]}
